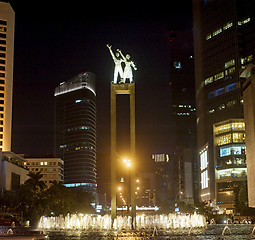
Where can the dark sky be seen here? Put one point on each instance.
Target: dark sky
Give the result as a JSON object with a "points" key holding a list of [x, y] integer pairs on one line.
{"points": [[53, 43]]}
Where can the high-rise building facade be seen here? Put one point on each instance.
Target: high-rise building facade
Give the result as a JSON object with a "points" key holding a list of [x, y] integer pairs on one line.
{"points": [[224, 44], [230, 161], [248, 89], [163, 188], [7, 21], [75, 130], [182, 82]]}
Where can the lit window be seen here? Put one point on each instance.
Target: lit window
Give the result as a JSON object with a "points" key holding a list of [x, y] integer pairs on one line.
{"points": [[231, 70], [217, 31], [240, 23], [208, 36], [45, 163], [230, 63], [204, 179], [223, 139], [208, 80], [203, 160], [227, 25], [238, 137], [177, 65], [218, 76]]}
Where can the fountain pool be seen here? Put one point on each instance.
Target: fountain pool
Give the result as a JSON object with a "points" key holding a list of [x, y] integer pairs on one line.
{"points": [[103, 223], [211, 232]]}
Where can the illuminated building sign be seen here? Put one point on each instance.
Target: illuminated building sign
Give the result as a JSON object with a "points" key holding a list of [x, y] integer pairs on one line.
{"points": [[203, 168]]}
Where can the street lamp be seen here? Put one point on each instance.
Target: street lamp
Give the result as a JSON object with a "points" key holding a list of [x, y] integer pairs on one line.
{"points": [[127, 162]]}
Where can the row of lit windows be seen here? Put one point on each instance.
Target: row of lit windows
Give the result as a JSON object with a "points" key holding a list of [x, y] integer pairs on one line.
{"points": [[78, 128], [244, 21], [203, 160], [218, 76], [182, 114], [83, 144], [232, 150], [225, 27], [236, 161], [3, 31], [41, 163], [237, 126], [230, 138], [81, 184], [231, 69], [44, 169], [223, 106], [219, 30], [222, 90], [204, 179], [230, 63], [231, 172], [246, 60]]}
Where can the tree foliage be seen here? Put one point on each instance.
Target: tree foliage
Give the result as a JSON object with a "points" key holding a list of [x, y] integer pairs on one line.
{"points": [[36, 199], [241, 201]]}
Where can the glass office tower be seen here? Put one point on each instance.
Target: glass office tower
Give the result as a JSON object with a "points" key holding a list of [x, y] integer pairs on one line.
{"points": [[224, 43], [75, 130]]}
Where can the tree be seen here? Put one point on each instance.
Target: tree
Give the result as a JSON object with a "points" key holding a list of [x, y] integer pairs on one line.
{"points": [[36, 200], [63, 200], [241, 201], [205, 209], [31, 197]]}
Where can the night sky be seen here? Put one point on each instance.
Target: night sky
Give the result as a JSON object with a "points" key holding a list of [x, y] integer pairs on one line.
{"points": [[53, 43]]}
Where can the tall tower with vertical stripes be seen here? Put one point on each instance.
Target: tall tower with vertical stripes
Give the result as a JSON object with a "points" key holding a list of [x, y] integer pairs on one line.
{"points": [[7, 22]]}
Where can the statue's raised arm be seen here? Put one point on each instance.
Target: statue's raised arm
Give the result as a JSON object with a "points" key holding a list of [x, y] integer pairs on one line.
{"points": [[121, 54], [110, 49], [118, 68]]}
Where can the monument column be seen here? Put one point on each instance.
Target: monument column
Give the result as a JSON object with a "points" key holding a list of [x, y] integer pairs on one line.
{"points": [[132, 148], [120, 86], [113, 154]]}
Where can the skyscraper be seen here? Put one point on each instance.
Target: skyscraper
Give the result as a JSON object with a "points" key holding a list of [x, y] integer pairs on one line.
{"points": [[182, 82], [7, 19], [75, 130], [224, 44]]}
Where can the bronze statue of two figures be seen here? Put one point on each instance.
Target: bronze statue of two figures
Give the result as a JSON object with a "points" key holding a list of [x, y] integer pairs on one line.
{"points": [[125, 74]]}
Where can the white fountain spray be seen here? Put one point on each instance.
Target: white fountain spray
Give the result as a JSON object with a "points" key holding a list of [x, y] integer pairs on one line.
{"points": [[102, 223]]}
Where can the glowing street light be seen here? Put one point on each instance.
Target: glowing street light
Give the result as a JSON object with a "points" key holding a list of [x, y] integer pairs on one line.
{"points": [[127, 162]]}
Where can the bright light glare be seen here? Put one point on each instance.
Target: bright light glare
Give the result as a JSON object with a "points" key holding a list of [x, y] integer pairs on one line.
{"points": [[127, 162]]}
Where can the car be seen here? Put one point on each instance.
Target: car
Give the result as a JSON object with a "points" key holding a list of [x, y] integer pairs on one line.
{"points": [[7, 220]]}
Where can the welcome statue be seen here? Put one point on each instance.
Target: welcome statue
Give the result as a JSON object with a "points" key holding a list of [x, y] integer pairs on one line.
{"points": [[118, 59]]}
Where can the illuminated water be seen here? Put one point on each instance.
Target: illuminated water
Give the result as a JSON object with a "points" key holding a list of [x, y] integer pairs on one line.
{"points": [[103, 223], [211, 232]]}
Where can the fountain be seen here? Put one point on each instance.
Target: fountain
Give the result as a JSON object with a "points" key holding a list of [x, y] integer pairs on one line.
{"points": [[103, 223], [224, 230], [253, 230]]}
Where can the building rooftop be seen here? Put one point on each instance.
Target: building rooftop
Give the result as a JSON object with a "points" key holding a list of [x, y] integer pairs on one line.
{"points": [[80, 81]]}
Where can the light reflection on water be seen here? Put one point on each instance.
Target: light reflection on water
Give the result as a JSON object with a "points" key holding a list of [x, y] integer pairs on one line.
{"points": [[212, 232]]}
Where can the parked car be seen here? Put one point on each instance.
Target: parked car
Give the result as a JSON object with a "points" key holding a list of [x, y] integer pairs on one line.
{"points": [[7, 220]]}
